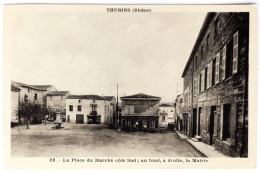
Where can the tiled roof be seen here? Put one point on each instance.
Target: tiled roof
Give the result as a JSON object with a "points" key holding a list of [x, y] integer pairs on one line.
{"points": [[91, 97], [44, 87], [141, 96], [19, 84], [14, 88], [165, 105], [58, 93], [109, 97]]}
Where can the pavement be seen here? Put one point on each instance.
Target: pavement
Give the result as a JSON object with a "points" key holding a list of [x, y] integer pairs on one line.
{"points": [[207, 150]]}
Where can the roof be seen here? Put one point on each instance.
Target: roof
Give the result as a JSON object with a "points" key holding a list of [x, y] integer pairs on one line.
{"points": [[165, 105], [14, 88], [91, 97], [58, 93], [19, 84], [204, 27], [109, 97], [44, 87], [141, 96]]}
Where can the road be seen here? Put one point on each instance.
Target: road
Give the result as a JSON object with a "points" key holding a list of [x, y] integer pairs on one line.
{"points": [[81, 140]]}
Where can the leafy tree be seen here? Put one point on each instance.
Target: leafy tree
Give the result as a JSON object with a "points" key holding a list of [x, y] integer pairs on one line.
{"points": [[28, 109]]}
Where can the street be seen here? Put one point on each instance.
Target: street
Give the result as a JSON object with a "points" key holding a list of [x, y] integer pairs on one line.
{"points": [[81, 140]]}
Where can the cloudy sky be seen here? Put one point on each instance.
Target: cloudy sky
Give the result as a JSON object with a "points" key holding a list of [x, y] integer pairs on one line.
{"points": [[88, 52]]}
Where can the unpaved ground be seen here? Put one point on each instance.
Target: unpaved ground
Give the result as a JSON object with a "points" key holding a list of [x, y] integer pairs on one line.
{"points": [[81, 140]]}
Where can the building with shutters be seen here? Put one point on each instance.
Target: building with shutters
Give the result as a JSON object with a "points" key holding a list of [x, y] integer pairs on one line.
{"points": [[88, 109], [56, 105], [216, 84], [140, 112]]}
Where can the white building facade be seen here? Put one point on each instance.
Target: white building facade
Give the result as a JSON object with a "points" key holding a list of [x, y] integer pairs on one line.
{"points": [[14, 104], [166, 115], [88, 109]]}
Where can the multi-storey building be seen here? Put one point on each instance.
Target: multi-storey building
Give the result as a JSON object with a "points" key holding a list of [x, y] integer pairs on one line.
{"points": [[88, 109], [216, 83], [56, 105], [112, 108], [178, 115], [166, 114], [140, 111], [14, 105]]}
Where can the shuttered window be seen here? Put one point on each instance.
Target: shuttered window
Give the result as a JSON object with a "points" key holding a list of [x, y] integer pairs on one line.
{"points": [[208, 75], [217, 69], [202, 80], [235, 52], [224, 63]]}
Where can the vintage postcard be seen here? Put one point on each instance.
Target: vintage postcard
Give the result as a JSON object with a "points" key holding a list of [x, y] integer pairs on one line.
{"points": [[129, 86]]}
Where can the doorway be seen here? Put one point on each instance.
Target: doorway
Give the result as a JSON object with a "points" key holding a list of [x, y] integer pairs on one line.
{"points": [[212, 124], [194, 128]]}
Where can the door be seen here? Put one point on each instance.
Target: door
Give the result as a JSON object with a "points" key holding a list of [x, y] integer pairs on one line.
{"points": [[212, 124], [79, 119], [194, 128]]}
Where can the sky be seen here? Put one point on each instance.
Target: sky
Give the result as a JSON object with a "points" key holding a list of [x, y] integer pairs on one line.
{"points": [[90, 52]]}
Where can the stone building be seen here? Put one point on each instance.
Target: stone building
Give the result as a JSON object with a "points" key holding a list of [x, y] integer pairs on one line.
{"points": [[216, 83], [166, 114], [178, 113], [140, 111], [56, 105], [112, 108], [34, 94], [14, 105], [88, 109]]}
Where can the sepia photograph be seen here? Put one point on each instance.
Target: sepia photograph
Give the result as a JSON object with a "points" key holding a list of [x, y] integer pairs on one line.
{"points": [[129, 84]]}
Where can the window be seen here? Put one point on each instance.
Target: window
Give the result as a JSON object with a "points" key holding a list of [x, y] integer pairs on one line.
{"points": [[35, 96], [79, 101], [229, 59], [79, 107], [199, 83], [223, 63], [25, 98], [226, 122], [61, 97], [207, 42], [163, 118], [71, 107], [213, 72], [235, 52], [51, 97], [201, 52], [94, 101], [28, 90], [217, 69], [202, 80], [195, 63], [206, 79], [216, 28]]}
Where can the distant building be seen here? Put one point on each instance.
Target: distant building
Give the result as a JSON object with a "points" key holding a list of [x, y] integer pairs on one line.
{"points": [[112, 109], [216, 83], [166, 114], [140, 111], [178, 113], [34, 94], [14, 105], [45, 90], [56, 105], [88, 109]]}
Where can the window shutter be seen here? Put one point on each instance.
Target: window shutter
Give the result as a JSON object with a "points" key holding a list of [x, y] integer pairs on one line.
{"points": [[199, 84], [235, 52], [224, 63], [208, 72], [202, 80], [217, 69]]}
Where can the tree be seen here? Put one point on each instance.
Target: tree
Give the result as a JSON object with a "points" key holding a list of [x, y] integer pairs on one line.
{"points": [[28, 109]]}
